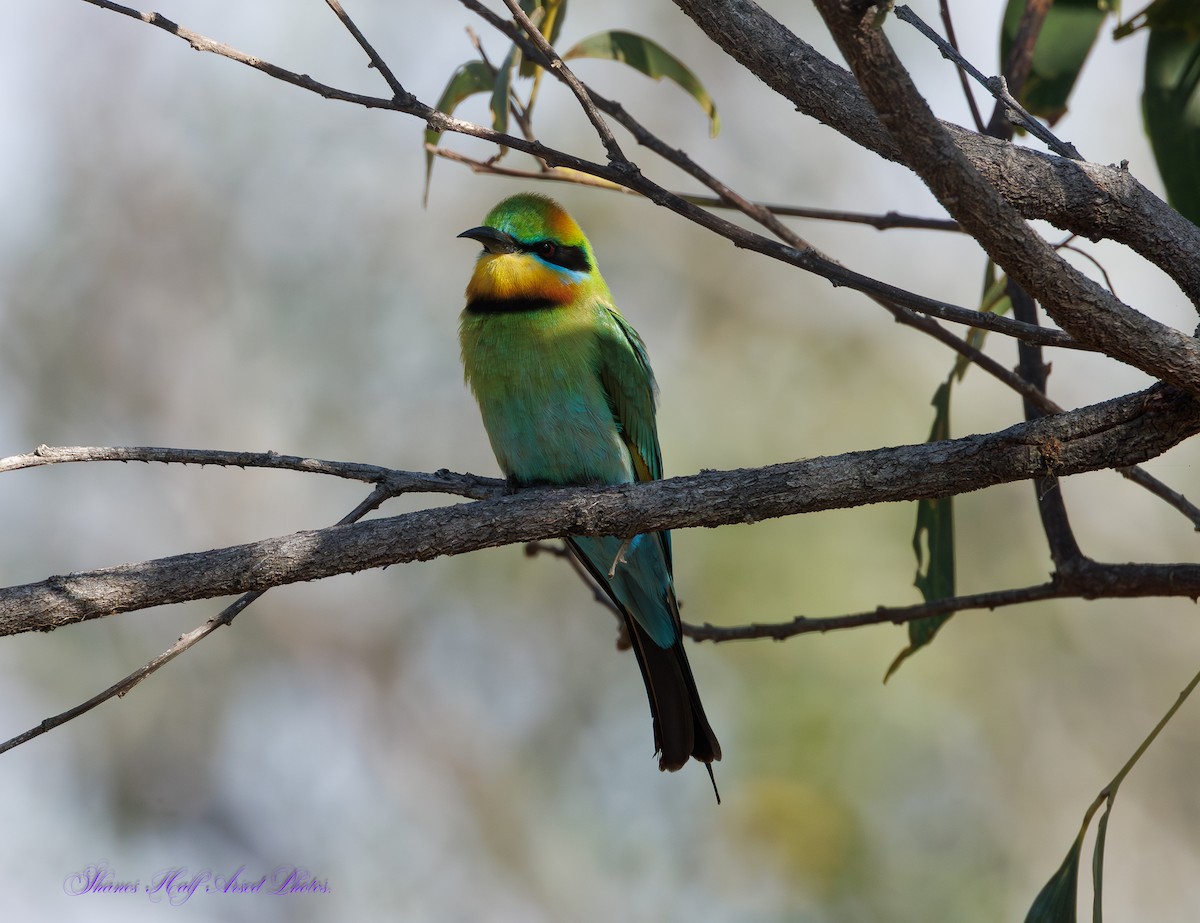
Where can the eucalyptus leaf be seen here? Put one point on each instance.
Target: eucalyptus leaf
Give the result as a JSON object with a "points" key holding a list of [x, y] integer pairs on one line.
{"points": [[549, 16], [1056, 902], [651, 59], [936, 573], [994, 300], [1098, 866], [1166, 14], [933, 544], [501, 88], [469, 79], [1171, 107], [1067, 36]]}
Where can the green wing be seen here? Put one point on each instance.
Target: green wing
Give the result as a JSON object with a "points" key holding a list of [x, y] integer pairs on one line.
{"points": [[630, 388]]}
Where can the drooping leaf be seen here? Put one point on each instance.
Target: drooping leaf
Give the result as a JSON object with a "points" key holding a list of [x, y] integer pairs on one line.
{"points": [[651, 59], [1098, 866], [1056, 902], [548, 16], [994, 300], [1171, 107], [1068, 34], [469, 79], [501, 88], [1166, 14], [933, 544], [934, 532]]}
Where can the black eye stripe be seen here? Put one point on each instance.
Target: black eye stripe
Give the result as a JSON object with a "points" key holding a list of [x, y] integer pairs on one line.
{"points": [[573, 258]]}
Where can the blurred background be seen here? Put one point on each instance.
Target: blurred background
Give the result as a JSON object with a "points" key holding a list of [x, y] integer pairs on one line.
{"points": [[195, 255]]}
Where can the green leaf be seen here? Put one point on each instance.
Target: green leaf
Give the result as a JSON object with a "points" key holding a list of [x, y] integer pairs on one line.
{"points": [[500, 90], [935, 518], [469, 79], [1165, 14], [1171, 107], [1098, 865], [1055, 903], [548, 15], [651, 59], [995, 300], [1068, 34], [935, 533]]}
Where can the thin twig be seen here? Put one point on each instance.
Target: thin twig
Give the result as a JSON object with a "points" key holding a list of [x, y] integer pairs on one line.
{"points": [[898, 615], [1144, 478], [204, 43], [396, 481], [376, 61], [1052, 508], [1015, 69], [985, 362], [533, 549], [1067, 245], [887, 221], [997, 86], [558, 66], [948, 22], [186, 641], [884, 222]]}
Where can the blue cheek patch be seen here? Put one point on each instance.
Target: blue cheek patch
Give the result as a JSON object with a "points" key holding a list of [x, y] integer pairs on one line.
{"points": [[573, 276]]}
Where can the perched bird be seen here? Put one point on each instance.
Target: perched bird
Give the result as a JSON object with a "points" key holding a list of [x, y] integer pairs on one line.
{"points": [[567, 397]]}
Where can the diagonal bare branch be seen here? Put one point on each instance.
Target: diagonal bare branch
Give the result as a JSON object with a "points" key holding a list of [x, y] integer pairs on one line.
{"points": [[1091, 200], [1077, 303]]}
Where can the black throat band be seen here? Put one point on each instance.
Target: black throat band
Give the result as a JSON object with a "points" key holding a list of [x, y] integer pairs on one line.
{"points": [[510, 305]]}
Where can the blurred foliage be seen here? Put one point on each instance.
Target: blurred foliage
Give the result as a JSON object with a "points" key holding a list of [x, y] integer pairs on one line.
{"points": [[1171, 85], [1171, 103], [1066, 38], [933, 538]]}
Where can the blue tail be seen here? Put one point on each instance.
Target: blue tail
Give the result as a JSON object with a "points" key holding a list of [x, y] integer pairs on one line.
{"points": [[642, 588]]}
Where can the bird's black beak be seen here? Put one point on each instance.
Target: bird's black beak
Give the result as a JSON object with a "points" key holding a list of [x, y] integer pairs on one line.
{"points": [[493, 241]]}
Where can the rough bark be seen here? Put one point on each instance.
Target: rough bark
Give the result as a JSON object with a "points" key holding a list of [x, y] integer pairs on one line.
{"points": [[1120, 432]]}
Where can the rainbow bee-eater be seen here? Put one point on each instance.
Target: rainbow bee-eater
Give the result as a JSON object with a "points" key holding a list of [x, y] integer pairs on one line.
{"points": [[567, 397]]}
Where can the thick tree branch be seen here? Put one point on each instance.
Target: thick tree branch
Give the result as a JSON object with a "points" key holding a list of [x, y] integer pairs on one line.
{"points": [[1079, 305], [1121, 432], [1091, 200]]}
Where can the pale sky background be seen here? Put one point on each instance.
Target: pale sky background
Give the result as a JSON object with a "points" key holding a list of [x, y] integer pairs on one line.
{"points": [[195, 255]]}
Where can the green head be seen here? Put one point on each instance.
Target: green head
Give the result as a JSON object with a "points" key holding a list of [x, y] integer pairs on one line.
{"points": [[532, 251]]}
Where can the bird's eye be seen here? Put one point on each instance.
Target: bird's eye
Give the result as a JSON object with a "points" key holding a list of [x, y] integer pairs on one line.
{"points": [[547, 249]]}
